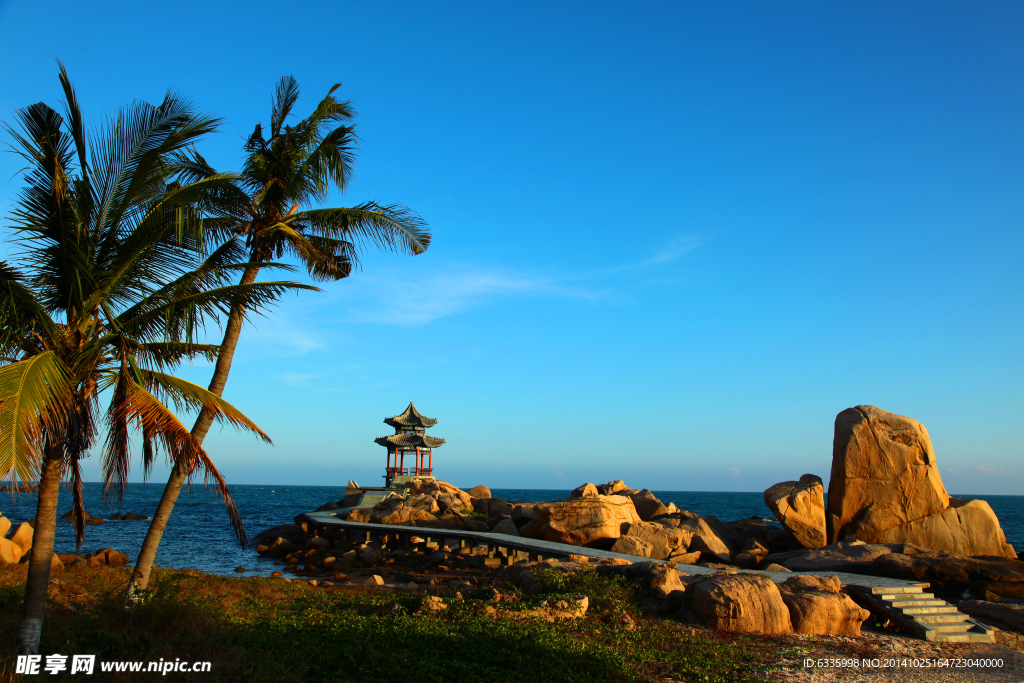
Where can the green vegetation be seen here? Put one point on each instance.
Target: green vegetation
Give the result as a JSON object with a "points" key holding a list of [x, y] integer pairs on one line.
{"points": [[271, 630]]}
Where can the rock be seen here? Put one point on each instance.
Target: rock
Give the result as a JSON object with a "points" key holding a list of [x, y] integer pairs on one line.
{"points": [[582, 521], [611, 487], [632, 545], [966, 527], [800, 507], [362, 515], [854, 557], [70, 514], [481, 492], [741, 603], [329, 505], [506, 526], [522, 514], [707, 540], [288, 531], [647, 505], [657, 579], [675, 518], [94, 521], [5, 526], [240, 569], [21, 536], [664, 541], [584, 491], [772, 567], [816, 607], [937, 565], [135, 517], [9, 552], [883, 474], [106, 557], [1003, 615], [431, 604], [687, 558], [492, 507], [438, 488]]}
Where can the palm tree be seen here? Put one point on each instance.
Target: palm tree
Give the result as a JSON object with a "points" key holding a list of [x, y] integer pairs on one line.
{"points": [[111, 288], [294, 167]]}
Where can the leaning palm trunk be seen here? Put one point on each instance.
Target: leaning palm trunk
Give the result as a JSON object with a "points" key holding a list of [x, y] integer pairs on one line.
{"points": [[147, 554], [30, 627]]}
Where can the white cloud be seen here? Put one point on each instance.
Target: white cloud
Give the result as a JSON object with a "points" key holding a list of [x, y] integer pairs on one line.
{"points": [[420, 295], [735, 473], [985, 470]]}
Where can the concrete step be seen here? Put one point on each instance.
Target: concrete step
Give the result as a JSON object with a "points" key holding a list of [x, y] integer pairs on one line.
{"points": [[978, 637], [885, 590], [941, 608], [917, 603], [907, 596], [956, 627], [947, 618]]}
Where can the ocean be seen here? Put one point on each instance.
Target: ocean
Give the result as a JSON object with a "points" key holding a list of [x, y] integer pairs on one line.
{"points": [[199, 537]]}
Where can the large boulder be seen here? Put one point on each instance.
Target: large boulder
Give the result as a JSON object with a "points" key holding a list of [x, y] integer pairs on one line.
{"points": [[480, 492], [966, 527], [741, 603], [647, 505], [817, 607], [5, 526], [584, 491], [885, 488], [583, 521], [708, 541], [939, 565], [611, 488], [883, 474], [438, 488], [800, 507], [21, 536], [657, 541], [9, 553], [507, 527]]}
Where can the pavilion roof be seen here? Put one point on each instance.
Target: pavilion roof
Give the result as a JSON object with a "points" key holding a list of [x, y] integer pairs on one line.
{"points": [[409, 441], [410, 418]]}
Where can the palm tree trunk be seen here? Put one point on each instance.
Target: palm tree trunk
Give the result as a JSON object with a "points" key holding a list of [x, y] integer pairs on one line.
{"points": [[147, 554], [30, 628]]}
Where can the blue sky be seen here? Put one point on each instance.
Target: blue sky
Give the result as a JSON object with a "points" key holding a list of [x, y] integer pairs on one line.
{"points": [[671, 240]]}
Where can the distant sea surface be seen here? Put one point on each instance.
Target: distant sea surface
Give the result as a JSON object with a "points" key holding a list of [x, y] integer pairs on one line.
{"points": [[199, 537]]}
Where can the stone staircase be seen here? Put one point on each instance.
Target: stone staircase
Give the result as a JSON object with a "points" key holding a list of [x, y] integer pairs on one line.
{"points": [[921, 613]]}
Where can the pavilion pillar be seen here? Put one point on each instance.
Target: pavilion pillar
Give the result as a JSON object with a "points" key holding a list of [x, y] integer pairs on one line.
{"points": [[431, 466], [402, 466]]}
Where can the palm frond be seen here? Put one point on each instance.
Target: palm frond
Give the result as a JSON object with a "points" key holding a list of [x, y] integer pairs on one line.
{"points": [[35, 398], [392, 227]]}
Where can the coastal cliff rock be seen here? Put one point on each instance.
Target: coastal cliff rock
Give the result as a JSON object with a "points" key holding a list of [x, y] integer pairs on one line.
{"points": [[817, 607], [21, 536], [800, 507], [741, 603], [584, 521], [885, 488], [883, 474]]}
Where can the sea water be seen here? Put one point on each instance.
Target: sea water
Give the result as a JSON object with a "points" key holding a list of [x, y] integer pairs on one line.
{"points": [[199, 535]]}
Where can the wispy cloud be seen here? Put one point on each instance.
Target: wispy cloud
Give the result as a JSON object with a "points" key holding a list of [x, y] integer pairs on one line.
{"points": [[734, 473], [417, 296]]}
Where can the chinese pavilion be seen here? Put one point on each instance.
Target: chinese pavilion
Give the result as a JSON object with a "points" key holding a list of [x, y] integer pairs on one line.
{"points": [[410, 437]]}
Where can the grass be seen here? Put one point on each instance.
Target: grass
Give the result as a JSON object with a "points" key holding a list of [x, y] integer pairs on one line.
{"points": [[261, 629]]}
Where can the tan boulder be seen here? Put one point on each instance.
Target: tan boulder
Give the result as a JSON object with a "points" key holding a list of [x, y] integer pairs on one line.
{"points": [[741, 603], [647, 505], [360, 515], [631, 545], [707, 540], [966, 527], [817, 607], [481, 492], [106, 557], [9, 553], [438, 488], [581, 521], [883, 474], [800, 507], [5, 526], [664, 541], [686, 558], [587, 489], [22, 536]]}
